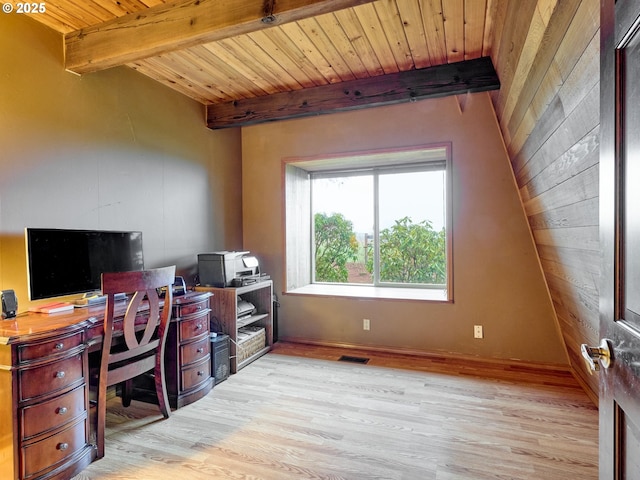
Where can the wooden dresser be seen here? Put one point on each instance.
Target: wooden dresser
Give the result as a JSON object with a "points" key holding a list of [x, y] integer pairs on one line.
{"points": [[44, 417], [44, 363], [189, 350], [188, 354]]}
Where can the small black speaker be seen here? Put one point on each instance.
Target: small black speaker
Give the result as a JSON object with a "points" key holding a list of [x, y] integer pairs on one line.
{"points": [[220, 358], [9, 304]]}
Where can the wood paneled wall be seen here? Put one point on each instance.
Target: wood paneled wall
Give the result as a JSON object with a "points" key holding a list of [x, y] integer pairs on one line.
{"points": [[547, 56]]}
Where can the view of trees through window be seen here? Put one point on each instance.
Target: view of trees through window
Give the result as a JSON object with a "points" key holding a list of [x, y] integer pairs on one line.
{"points": [[380, 226]]}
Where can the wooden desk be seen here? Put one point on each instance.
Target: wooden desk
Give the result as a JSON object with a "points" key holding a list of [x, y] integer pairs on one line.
{"points": [[44, 416]]}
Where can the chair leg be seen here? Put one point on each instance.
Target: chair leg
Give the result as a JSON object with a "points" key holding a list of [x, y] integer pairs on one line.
{"points": [[127, 387], [101, 419], [161, 388]]}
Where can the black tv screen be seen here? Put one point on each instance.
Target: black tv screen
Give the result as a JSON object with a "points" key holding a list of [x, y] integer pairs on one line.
{"points": [[65, 262]]}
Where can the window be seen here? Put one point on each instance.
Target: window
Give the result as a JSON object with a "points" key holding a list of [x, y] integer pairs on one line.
{"points": [[380, 220]]}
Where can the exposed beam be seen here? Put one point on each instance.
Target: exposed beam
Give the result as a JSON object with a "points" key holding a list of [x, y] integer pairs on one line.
{"points": [[182, 24], [452, 79]]}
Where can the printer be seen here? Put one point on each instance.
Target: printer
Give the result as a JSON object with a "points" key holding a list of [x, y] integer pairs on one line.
{"points": [[227, 269]]}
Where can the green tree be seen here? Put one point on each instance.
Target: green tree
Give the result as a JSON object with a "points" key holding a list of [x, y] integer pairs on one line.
{"points": [[336, 245], [411, 253]]}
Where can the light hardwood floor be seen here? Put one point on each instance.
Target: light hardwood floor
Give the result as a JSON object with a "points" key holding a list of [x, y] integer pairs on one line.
{"points": [[298, 413]]}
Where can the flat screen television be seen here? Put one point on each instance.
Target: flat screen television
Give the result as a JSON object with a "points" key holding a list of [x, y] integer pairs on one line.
{"points": [[66, 262]]}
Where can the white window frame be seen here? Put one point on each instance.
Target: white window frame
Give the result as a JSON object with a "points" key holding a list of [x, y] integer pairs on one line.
{"points": [[299, 255]]}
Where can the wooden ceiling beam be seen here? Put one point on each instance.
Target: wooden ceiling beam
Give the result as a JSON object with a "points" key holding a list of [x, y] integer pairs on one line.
{"points": [[442, 80], [182, 24]]}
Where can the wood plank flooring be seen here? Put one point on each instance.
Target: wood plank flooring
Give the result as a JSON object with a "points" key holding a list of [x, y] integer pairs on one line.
{"points": [[298, 413]]}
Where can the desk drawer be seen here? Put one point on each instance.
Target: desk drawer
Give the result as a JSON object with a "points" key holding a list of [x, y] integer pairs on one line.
{"points": [[196, 374], [46, 416], [53, 450], [195, 351], [51, 377], [194, 327], [59, 345], [191, 308]]}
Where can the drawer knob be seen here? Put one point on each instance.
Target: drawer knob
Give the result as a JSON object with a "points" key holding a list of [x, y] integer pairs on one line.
{"points": [[199, 326], [60, 374], [200, 373], [62, 410], [200, 350], [59, 346], [63, 446]]}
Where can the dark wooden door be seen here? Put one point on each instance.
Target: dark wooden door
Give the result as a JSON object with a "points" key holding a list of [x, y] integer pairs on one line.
{"points": [[620, 240]]}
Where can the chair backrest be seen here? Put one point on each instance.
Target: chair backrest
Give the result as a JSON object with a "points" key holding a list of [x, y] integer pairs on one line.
{"points": [[144, 337], [139, 338]]}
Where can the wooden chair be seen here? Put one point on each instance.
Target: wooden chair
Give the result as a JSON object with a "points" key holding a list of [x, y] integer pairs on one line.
{"points": [[144, 337]]}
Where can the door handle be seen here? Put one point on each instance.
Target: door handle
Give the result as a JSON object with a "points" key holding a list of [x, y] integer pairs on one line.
{"points": [[596, 356]]}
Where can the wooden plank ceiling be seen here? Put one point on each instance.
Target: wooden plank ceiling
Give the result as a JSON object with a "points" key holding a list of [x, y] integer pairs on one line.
{"points": [[224, 52]]}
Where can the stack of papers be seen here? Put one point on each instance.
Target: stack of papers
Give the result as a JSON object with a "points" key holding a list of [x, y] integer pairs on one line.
{"points": [[52, 307]]}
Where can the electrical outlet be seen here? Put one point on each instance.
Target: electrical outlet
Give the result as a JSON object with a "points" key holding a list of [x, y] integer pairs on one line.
{"points": [[366, 324], [477, 331]]}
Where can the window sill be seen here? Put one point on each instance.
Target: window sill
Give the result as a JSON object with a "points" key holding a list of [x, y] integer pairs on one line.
{"points": [[369, 292]]}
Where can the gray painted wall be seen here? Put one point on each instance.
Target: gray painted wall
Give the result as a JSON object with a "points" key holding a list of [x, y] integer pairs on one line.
{"points": [[110, 150]]}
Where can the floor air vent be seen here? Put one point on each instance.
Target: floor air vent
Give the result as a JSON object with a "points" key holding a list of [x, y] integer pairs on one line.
{"points": [[347, 358]]}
